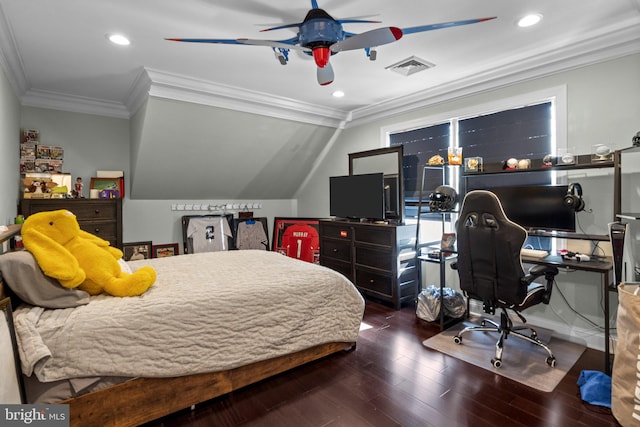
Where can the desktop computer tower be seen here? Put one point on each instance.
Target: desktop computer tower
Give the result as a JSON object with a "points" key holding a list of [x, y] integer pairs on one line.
{"points": [[625, 261]]}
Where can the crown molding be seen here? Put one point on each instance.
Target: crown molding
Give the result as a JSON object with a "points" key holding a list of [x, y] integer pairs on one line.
{"points": [[606, 44], [74, 104], [182, 88]]}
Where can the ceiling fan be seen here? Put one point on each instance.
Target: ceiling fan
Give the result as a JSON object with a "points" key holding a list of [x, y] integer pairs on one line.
{"points": [[320, 35]]}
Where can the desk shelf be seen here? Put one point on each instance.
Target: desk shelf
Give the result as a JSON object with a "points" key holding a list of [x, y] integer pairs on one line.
{"points": [[631, 216]]}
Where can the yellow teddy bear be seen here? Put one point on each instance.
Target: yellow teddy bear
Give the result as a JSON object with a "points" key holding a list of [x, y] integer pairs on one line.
{"points": [[80, 259]]}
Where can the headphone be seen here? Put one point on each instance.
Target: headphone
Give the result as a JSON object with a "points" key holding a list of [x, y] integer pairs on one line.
{"points": [[573, 198]]}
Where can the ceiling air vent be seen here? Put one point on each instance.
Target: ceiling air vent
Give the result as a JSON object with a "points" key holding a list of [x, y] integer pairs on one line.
{"points": [[411, 65]]}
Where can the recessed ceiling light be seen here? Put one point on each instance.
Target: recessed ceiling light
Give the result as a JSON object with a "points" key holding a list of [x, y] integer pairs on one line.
{"points": [[118, 39], [529, 20], [338, 94]]}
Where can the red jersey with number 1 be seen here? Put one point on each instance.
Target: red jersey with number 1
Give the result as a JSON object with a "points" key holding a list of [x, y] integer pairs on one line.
{"points": [[301, 242]]}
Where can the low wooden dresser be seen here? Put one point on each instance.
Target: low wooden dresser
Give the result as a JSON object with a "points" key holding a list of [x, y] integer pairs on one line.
{"points": [[102, 217]]}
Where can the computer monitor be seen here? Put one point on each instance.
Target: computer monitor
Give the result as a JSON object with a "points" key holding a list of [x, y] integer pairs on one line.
{"points": [[537, 207]]}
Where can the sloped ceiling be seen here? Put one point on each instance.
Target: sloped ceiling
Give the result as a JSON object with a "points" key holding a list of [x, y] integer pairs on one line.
{"points": [[191, 151]]}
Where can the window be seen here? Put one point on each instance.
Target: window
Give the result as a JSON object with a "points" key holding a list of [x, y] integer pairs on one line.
{"points": [[418, 146], [521, 133], [526, 127]]}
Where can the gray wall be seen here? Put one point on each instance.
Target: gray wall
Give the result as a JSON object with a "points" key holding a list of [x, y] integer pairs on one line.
{"points": [[9, 151]]}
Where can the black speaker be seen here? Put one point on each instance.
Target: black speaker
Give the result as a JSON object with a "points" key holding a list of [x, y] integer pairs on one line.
{"points": [[573, 198]]}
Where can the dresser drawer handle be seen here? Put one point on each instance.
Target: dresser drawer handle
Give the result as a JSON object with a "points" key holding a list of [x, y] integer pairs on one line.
{"points": [[96, 230], [97, 211], [335, 250]]}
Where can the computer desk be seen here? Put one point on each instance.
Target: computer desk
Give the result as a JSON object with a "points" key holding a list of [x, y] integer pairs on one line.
{"points": [[603, 266]]}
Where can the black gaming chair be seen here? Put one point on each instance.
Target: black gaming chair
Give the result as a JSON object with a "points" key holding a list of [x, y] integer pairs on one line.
{"points": [[490, 270]]}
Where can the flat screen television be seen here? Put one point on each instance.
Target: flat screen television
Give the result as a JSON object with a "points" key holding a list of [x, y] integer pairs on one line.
{"points": [[537, 207], [357, 196]]}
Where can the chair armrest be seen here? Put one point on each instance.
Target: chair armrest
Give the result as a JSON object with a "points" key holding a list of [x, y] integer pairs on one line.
{"points": [[541, 270], [549, 273]]}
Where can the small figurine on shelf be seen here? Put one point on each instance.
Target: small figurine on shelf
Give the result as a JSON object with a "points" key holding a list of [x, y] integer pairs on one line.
{"points": [[77, 189]]}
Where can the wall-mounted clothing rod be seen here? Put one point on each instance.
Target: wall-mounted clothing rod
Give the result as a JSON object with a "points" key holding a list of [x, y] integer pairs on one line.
{"points": [[220, 207]]}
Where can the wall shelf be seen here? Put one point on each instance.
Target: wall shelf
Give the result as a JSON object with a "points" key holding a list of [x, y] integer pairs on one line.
{"points": [[12, 230], [583, 161]]}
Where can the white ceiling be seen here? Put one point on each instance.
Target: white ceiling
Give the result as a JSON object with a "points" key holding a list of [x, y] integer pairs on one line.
{"points": [[56, 51]]}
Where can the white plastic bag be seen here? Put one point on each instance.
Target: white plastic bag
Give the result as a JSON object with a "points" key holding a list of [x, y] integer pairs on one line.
{"points": [[428, 306]]}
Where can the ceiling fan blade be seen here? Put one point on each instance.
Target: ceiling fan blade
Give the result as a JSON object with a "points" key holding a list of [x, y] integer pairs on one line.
{"points": [[280, 27], [371, 38], [273, 43], [442, 25], [356, 21], [325, 75]]}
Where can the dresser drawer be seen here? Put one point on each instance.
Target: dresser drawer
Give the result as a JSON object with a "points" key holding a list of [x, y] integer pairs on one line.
{"points": [[104, 230], [374, 282], [93, 211], [375, 258], [82, 209], [376, 236], [339, 266], [336, 249], [336, 231]]}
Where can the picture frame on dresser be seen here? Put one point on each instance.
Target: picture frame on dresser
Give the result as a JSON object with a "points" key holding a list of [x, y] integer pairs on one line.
{"points": [[297, 238], [12, 387], [108, 184], [137, 250]]}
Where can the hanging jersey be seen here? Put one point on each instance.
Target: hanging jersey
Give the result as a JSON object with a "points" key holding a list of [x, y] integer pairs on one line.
{"points": [[251, 235], [209, 234], [301, 241]]}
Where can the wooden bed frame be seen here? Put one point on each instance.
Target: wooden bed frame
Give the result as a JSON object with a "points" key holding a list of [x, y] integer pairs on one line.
{"points": [[141, 400]]}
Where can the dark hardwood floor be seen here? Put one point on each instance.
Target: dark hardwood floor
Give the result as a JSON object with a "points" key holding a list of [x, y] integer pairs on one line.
{"points": [[392, 380]]}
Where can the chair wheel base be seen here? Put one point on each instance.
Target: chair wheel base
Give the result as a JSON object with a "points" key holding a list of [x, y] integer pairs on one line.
{"points": [[551, 361], [496, 363], [457, 339]]}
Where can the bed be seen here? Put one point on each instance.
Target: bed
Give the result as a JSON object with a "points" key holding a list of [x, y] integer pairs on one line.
{"points": [[212, 323]]}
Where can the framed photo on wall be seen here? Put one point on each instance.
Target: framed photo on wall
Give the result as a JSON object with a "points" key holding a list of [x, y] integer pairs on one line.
{"points": [[165, 250], [137, 250], [297, 238]]}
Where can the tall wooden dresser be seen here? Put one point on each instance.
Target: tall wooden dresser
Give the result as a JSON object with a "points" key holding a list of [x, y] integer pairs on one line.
{"points": [[378, 258], [102, 217]]}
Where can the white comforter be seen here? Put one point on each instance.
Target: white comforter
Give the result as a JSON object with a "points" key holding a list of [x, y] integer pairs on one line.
{"points": [[206, 312]]}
